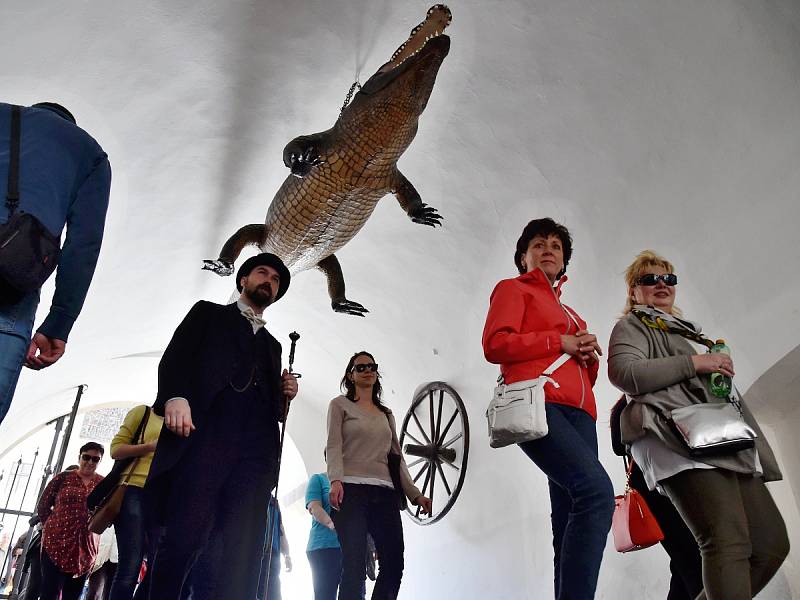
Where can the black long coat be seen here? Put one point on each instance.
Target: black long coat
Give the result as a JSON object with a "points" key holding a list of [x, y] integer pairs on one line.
{"points": [[205, 352]]}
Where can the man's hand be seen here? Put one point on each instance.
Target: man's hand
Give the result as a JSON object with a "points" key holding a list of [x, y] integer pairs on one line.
{"points": [[178, 416], [288, 385], [287, 561], [50, 350]]}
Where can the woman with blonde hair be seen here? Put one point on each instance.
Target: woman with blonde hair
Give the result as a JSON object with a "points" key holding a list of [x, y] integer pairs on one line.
{"points": [[721, 496]]}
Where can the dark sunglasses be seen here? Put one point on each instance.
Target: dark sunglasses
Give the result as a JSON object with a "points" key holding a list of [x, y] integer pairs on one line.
{"points": [[365, 366], [90, 458], [669, 279]]}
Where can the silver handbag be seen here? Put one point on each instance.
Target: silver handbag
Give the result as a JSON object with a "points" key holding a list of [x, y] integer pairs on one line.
{"points": [[713, 428], [516, 412]]}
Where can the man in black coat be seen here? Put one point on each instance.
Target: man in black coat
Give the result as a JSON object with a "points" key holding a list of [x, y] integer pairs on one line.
{"points": [[222, 395]]}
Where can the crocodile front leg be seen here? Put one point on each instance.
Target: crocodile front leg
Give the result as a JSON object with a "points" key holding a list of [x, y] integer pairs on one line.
{"points": [[249, 235], [411, 202], [305, 152], [333, 271]]}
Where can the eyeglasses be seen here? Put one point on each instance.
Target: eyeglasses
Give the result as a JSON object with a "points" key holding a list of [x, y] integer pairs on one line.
{"points": [[669, 279], [90, 458], [365, 366]]}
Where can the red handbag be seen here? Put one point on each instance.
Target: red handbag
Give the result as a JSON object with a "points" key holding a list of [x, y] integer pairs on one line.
{"points": [[634, 527]]}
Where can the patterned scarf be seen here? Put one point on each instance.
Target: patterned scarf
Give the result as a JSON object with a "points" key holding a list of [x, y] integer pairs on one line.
{"points": [[658, 319]]}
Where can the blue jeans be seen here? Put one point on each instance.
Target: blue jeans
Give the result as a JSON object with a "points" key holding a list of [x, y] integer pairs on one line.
{"points": [[16, 325], [581, 498], [326, 571], [130, 528]]}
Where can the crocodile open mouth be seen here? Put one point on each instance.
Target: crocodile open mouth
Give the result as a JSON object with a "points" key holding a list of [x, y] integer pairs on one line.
{"points": [[433, 26]]}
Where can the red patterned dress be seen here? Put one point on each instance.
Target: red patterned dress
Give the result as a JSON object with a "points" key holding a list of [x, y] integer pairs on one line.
{"points": [[66, 537]]}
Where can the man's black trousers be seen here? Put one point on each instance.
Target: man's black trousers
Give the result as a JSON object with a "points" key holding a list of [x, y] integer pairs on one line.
{"points": [[221, 484]]}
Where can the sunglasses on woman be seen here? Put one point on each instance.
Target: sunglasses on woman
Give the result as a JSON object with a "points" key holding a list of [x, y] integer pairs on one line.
{"points": [[366, 366], [90, 458], [669, 279]]}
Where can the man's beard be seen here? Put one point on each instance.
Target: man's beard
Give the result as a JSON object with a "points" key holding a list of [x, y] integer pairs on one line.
{"points": [[260, 296]]}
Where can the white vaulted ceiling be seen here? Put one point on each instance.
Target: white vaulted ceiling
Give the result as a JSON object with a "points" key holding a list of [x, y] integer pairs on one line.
{"points": [[637, 123]]}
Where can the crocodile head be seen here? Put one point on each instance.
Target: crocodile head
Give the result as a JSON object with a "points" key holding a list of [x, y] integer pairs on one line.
{"points": [[407, 79]]}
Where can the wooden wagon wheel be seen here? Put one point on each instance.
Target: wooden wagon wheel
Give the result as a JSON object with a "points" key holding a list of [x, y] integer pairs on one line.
{"points": [[438, 429]]}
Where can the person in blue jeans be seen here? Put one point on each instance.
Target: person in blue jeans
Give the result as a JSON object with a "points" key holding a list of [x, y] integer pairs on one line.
{"points": [[271, 590], [323, 550], [527, 331], [64, 181]]}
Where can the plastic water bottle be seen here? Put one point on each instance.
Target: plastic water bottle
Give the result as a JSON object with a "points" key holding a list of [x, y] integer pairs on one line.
{"points": [[720, 384]]}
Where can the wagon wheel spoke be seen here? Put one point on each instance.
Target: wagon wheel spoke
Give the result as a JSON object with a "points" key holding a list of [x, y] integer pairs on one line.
{"points": [[433, 482], [436, 437], [451, 465], [421, 471], [430, 415], [416, 462], [453, 440], [416, 420], [427, 480], [413, 438], [444, 479], [447, 427]]}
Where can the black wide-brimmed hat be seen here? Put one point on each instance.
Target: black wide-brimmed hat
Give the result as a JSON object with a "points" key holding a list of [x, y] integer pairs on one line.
{"points": [[269, 260]]}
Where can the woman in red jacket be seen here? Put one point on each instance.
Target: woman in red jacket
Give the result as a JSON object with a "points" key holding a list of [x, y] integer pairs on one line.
{"points": [[526, 330]]}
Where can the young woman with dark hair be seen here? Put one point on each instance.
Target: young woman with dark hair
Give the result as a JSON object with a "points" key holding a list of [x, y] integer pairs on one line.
{"points": [[527, 329], [361, 435]]}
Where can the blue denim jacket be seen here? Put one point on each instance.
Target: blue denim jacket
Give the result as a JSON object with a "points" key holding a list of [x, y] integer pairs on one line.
{"points": [[65, 178]]}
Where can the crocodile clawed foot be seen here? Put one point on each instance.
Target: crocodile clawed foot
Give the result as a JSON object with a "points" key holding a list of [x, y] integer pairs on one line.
{"points": [[302, 162], [348, 307], [220, 267], [425, 215]]}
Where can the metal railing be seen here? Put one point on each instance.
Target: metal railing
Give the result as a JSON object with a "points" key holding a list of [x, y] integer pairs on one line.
{"points": [[11, 570]]}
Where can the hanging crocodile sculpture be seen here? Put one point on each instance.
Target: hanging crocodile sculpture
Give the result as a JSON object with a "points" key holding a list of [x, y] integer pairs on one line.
{"points": [[338, 176]]}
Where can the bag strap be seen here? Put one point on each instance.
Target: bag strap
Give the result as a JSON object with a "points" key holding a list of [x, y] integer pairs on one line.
{"points": [[629, 469], [557, 363], [139, 435], [554, 366], [12, 191]]}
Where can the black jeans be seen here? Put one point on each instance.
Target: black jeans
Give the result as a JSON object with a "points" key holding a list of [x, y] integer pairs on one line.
{"points": [[55, 582], [685, 564], [581, 498], [375, 510], [130, 528]]}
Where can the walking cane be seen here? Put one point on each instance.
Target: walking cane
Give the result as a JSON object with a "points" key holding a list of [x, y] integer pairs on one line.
{"points": [[294, 336]]}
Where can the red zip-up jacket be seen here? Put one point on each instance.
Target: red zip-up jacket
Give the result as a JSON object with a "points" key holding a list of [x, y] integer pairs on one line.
{"points": [[523, 335]]}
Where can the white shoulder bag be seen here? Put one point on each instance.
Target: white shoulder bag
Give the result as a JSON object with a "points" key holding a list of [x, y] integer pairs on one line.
{"points": [[516, 413]]}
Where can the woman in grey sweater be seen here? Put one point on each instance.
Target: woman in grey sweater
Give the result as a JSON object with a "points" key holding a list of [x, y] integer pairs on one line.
{"points": [[361, 436], [722, 498]]}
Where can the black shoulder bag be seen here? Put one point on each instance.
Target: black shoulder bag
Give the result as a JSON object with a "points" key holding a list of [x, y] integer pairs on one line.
{"points": [[28, 251], [393, 460]]}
